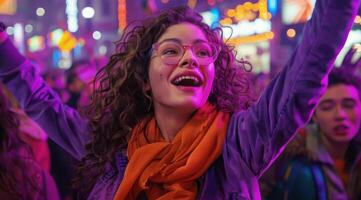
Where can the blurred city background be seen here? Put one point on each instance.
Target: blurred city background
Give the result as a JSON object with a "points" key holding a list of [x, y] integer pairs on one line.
{"points": [[69, 40], [56, 32]]}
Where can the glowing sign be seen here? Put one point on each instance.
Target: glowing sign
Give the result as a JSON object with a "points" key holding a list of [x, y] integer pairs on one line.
{"points": [[122, 14], [247, 11], [67, 42], [72, 15], [54, 37], [36, 43], [246, 28], [7, 7], [211, 17], [297, 11], [19, 37], [249, 22], [273, 6]]}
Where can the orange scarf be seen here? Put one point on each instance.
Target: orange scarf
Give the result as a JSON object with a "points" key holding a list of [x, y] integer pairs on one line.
{"points": [[168, 170]]}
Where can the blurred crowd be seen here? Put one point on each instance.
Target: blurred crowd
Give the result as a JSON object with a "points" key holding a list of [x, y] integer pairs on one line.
{"points": [[323, 161], [74, 86]]}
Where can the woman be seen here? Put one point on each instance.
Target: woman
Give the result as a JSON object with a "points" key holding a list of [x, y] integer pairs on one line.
{"points": [[324, 161], [172, 101], [20, 175]]}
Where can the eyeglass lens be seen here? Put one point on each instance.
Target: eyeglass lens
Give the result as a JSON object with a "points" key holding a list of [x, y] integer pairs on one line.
{"points": [[171, 52]]}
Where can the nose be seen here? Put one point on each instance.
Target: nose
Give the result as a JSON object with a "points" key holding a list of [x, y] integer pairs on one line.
{"points": [[189, 59], [340, 113]]}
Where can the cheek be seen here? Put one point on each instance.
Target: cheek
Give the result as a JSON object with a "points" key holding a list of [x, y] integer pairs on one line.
{"points": [[156, 73], [325, 121], [210, 72], [355, 117]]}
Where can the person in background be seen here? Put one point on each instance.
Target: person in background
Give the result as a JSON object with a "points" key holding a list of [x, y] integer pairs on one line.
{"points": [[62, 163], [57, 80], [30, 132], [21, 177], [171, 116], [324, 160], [79, 77]]}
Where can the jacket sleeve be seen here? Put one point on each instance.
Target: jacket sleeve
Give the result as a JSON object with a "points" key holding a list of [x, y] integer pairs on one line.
{"points": [[260, 133], [63, 124]]}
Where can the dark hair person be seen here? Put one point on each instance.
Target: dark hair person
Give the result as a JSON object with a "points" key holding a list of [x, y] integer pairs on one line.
{"points": [[171, 118], [324, 160], [20, 176]]}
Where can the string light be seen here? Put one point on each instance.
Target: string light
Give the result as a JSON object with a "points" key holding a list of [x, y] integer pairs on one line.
{"points": [[251, 39], [192, 3], [249, 10], [122, 14], [291, 33], [358, 19], [40, 11]]}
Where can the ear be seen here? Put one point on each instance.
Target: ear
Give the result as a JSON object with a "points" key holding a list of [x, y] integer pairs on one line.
{"points": [[146, 86]]}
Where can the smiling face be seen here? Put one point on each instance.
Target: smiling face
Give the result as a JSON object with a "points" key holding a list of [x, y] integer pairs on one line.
{"points": [[339, 113], [186, 85]]}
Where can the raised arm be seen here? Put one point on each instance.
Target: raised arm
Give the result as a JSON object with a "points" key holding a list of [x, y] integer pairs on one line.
{"points": [[261, 132], [62, 124]]}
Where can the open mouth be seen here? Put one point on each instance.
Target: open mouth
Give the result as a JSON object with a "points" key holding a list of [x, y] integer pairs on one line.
{"points": [[341, 129], [187, 81]]}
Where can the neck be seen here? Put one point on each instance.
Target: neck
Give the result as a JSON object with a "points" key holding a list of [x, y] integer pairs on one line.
{"points": [[170, 120], [337, 150]]}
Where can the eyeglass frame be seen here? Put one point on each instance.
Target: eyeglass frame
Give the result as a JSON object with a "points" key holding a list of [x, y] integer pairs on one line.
{"points": [[155, 47]]}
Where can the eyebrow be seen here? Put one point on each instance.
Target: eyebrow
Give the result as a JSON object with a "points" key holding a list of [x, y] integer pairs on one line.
{"points": [[333, 100], [180, 42], [327, 101]]}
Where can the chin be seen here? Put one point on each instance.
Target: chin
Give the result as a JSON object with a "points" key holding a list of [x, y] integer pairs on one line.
{"points": [[191, 104], [342, 139]]}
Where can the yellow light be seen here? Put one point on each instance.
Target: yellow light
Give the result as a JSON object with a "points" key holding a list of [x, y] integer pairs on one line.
{"points": [[192, 3], [291, 33], [8, 7], [249, 11], [239, 16], [67, 42], [231, 13], [357, 19], [269, 16], [239, 8], [248, 6], [255, 7], [251, 39], [122, 14], [226, 21], [270, 35]]}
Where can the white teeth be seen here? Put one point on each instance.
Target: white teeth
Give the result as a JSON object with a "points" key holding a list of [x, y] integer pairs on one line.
{"points": [[179, 79]]}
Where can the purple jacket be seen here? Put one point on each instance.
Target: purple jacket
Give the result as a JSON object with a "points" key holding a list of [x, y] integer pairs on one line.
{"points": [[254, 137]]}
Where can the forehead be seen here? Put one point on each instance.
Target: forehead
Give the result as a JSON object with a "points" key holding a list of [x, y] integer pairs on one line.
{"points": [[185, 32], [341, 91]]}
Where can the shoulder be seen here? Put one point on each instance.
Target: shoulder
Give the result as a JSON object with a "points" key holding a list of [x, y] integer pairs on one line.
{"points": [[46, 184]]}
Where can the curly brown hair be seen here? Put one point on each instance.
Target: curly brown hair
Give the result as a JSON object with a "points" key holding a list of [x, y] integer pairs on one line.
{"points": [[120, 100], [15, 157]]}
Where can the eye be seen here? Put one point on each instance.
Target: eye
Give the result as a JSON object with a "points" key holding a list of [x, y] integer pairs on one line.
{"points": [[170, 52], [348, 103], [204, 53], [202, 50], [169, 49], [327, 105]]}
